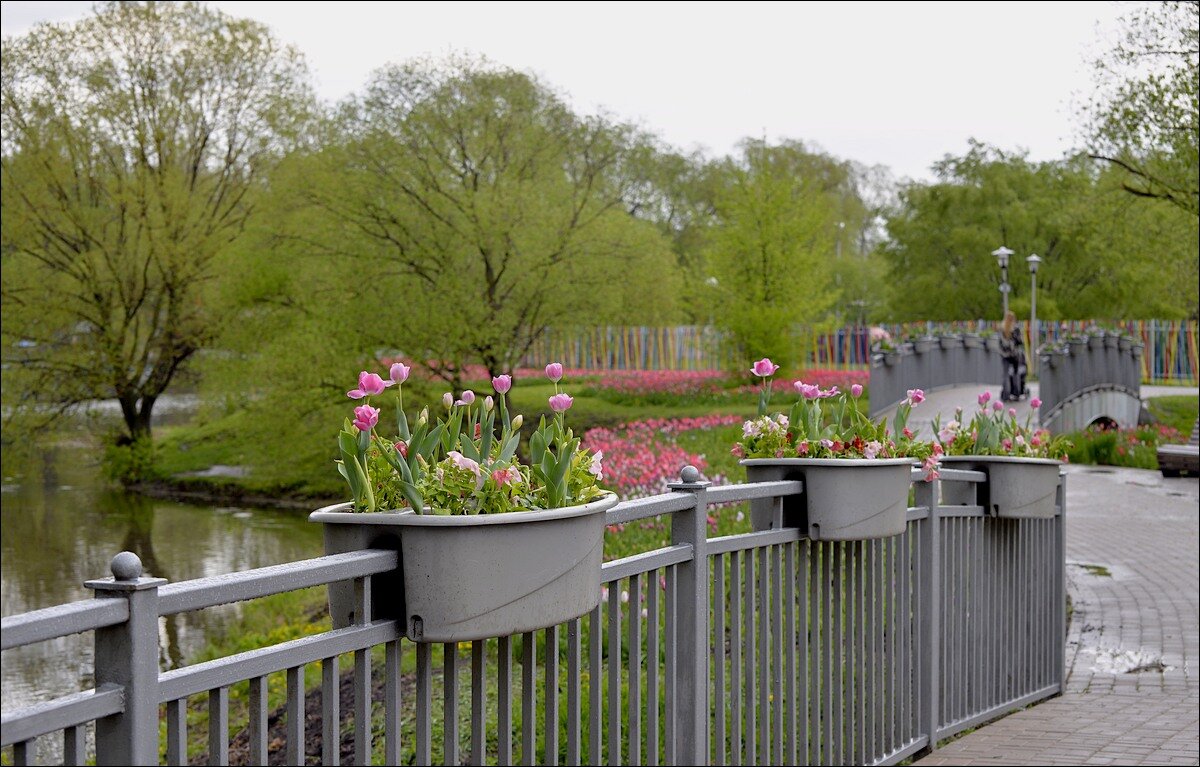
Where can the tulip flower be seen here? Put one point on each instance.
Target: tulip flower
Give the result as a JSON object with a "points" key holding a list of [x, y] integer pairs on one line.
{"points": [[448, 400], [554, 371], [399, 372], [365, 417], [997, 406], [983, 398], [468, 398], [856, 390], [1035, 403], [503, 383], [916, 396], [764, 368], [368, 384], [560, 403]]}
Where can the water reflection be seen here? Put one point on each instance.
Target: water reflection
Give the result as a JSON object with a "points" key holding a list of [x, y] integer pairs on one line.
{"points": [[60, 525]]}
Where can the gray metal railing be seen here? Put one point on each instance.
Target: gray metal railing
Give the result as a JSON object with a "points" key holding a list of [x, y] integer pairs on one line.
{"points": [[933, 363], [1087, 364], [756, 648]]}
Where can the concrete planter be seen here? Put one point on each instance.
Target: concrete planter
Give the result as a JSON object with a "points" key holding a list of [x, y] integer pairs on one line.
{"points": [[972, 341], [1125, 344], [1096, 342], [891, 358], [477, 576], [950, 342], [1017, 488], [1111, 341], [844, 499], [992, 344], [922, 345]]}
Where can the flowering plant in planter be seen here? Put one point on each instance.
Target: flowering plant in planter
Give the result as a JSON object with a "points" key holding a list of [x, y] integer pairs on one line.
{"points": [[994, 430], [465, 461], [828, 423]]}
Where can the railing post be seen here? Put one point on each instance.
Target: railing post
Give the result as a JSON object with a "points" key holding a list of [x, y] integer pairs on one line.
{"points": [[691, 625], [1060, 591], [927, 494], [127, 655]]}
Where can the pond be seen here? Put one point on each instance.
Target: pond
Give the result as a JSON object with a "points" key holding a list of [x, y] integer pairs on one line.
{"points": [[61, 523]]}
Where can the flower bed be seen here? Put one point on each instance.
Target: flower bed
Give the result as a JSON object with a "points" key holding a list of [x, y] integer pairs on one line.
{"points": [[640, 458], [1134, 448]]}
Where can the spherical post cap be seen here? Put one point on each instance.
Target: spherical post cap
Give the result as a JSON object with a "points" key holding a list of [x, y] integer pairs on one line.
{"points": [[690, 475], [126, 566]]}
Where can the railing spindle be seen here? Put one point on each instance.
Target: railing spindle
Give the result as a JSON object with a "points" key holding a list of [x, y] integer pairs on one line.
{"points": [[550, 754], [424, 754], [218, 726], [177, 732], [449, 703], [257, 726]]}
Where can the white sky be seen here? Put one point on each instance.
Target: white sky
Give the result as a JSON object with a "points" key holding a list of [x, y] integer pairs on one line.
{"points": [[898, 84]]}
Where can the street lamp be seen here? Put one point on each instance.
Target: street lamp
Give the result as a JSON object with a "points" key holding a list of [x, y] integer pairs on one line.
{"points": [[1002, 253], [1034, 335]]}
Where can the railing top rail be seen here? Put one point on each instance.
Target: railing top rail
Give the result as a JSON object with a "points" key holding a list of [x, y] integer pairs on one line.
{"points": [[961, 475], [61, 620], [650, 506], [752, 490], [58, 714], [199, 593], [645, 562]]}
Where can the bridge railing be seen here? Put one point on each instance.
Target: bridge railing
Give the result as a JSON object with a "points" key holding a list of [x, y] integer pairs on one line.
{"points": [[1092, 364], [933, 363], [757, 648]]}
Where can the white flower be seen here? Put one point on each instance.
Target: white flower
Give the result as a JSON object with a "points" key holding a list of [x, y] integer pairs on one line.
{"points": [[595, 468], [872, 449]]}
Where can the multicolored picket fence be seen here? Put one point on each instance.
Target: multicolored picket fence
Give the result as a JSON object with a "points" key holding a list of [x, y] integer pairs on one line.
{"points": [[1170, 355]]}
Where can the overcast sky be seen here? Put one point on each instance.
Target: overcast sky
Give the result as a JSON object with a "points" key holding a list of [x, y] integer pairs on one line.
{"points": [[898, 84]]}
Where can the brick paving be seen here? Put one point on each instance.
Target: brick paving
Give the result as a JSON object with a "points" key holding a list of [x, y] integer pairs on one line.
{"points": [[1133, 573]]}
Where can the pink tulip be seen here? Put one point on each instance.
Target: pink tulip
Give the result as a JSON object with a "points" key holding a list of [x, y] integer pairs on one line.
{"points": [[1035, 403], [365, 417], [402, 448], [916, 396], [997, 406], [983, 398], [504, 382], [468, 398], [399, 372], [808, 391], [368, 384], [1012, 411], [554, 371], [856, 390], [462, 462], [826, 393], [764, 368], [561, 403]]}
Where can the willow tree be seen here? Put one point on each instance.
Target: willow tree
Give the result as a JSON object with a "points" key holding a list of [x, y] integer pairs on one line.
{"points": [[133, 145], [469, 209]]}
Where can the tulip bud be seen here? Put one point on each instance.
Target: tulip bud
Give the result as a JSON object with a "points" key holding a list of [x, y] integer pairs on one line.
{"points": [[424, 417], [488, 404], [447, 400], [516, 422]]}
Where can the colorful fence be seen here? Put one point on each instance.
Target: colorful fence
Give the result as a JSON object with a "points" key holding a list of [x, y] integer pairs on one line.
{"points": [[1170, 356]]}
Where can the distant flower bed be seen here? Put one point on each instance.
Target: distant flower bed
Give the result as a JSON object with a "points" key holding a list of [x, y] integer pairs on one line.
{"points": [[640, 458], [1134, 448], [639, 383]]}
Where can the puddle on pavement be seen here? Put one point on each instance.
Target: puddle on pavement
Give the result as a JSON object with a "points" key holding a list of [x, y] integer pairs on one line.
{"points": [[1108, 661]]}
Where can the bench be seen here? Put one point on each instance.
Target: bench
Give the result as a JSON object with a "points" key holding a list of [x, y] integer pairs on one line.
{"points": [[1175, 459]]}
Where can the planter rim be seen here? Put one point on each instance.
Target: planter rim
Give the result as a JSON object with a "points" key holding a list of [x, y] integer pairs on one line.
{"points": [[826, 461], [335, 514], [998, 459]]}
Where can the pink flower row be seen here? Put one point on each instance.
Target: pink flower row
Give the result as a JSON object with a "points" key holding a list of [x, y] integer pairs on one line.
{"points": [[641, 457]]}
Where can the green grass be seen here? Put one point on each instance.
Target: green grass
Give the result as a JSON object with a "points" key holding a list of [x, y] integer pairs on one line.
{"points": [[1177, 411]]}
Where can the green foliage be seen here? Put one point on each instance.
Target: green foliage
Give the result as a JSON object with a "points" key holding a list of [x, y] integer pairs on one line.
{"points": [[130, 462], [134, 144], [1143, 116], [777, 210], [1103, 255], [1178, 412], [1135, 448]]}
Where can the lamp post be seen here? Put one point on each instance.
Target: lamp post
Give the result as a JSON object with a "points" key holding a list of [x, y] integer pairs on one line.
{"points": [[1002, 253], [1034, 335]]}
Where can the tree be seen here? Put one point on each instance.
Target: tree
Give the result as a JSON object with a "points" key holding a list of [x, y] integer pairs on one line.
{"points": [[1143, 117], [477, 210], [135, 142], [1103, 256], [777, 212]]}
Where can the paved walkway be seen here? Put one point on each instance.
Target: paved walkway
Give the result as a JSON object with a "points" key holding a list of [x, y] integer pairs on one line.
{"points": [[1134, 578]]}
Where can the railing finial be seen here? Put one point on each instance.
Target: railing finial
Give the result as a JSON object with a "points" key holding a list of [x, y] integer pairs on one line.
{"points": [[126, 566], [690, 475]]}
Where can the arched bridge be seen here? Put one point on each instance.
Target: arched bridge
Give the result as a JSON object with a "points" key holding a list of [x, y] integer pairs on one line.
{"points": [[1086, 380]]}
